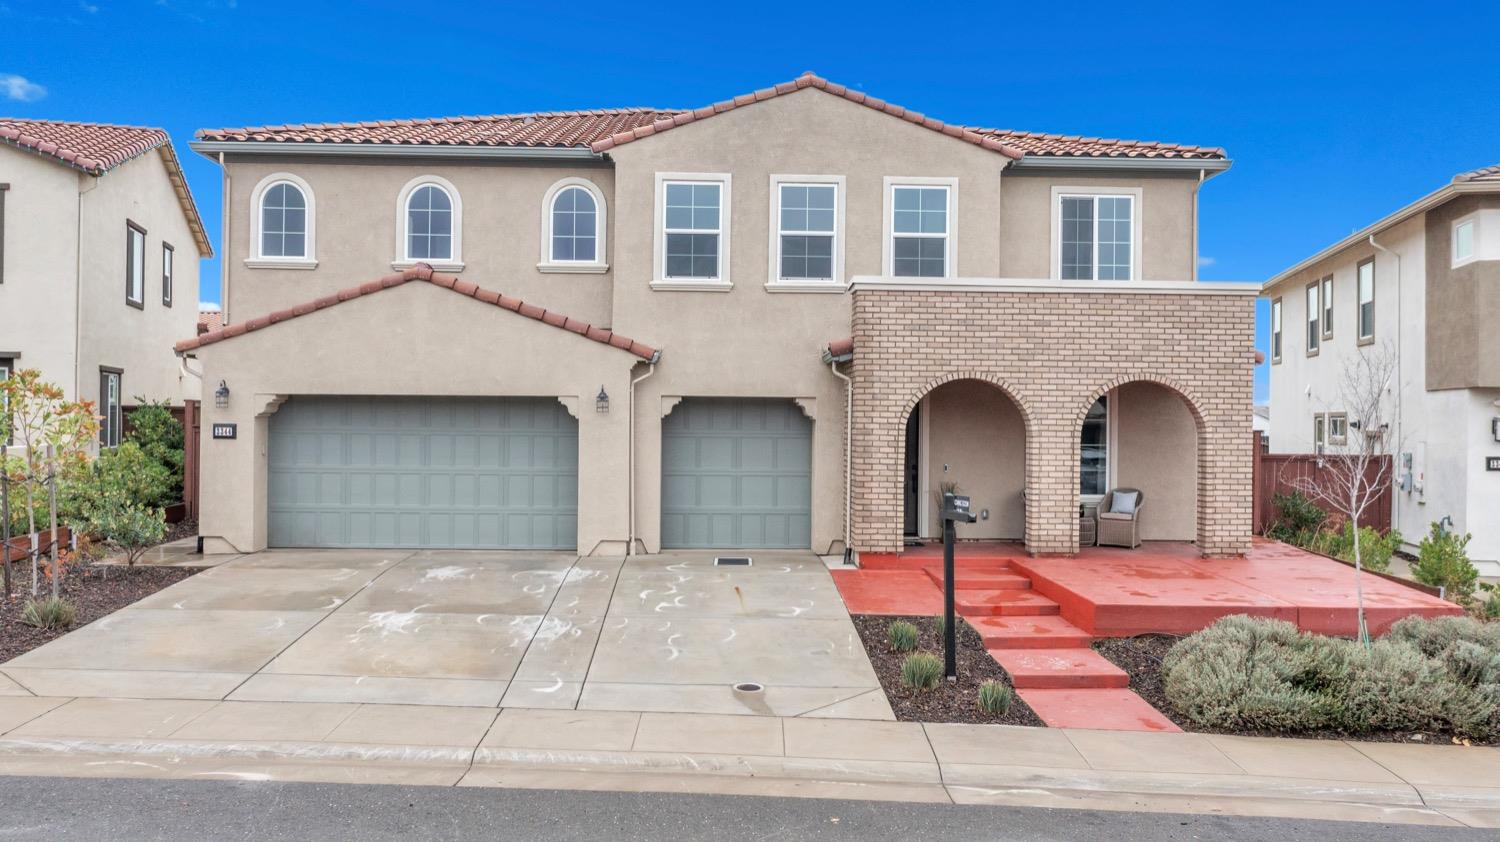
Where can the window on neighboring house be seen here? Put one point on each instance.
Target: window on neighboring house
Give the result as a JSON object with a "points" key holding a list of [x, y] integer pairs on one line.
{"points": [[692, 229], [1463, 241], [575, 226], [7, 368], [429, 224], [1338, 428], [1319, 428], [807, 224], [1314, 319], [1096, 237], [168, 255], [135, 265], [1328, 307], [1365, 275], [111, 421], [919, 230], [1093, 443], [283, 221], [1276, 330]]}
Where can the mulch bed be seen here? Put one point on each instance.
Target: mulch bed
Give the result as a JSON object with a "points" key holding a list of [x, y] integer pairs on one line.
{"points": [[1141, 657], [958, 702], [182, 529], [95, 590]]}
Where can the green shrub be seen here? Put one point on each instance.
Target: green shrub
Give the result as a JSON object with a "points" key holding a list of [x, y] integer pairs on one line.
{"points": [[939, 624], [160, 437], [15, 467], [49, 613], [1375, 550], [1247, 673], [1443, 561], [921, 671], [995, 697], [128, 528], [903, 636], [1489, 607], [121, 476], [1296, 516]]}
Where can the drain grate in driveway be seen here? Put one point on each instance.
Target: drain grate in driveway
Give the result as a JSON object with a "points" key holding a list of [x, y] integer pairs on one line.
{"points": [[732, 561]]}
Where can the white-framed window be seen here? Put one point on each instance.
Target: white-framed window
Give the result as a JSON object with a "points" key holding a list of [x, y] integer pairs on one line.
{"points": [[920, 222], [1276, 330], [807, 233], [1338, 428], [429, 224], [111, 420], [1314, 318], [692, 232], [1096, 233], [1365, 284], [1327, 294], [574, 219], [168, 259], [1464, 233], [7, 368], [283, 223], [135, 265], [1095, 448], [1320, 428]]}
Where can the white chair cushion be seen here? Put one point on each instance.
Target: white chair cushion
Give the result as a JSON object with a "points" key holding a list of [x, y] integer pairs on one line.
{"points": [[1123, 502], [1126, 516]]}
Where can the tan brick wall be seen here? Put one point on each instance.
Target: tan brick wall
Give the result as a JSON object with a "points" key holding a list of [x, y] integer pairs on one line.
{"points": [[1054, 353]]}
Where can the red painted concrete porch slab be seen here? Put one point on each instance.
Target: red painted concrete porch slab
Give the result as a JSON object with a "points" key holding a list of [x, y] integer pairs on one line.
{"points": [[1104, 709], [1059, 669], [889, 592]]}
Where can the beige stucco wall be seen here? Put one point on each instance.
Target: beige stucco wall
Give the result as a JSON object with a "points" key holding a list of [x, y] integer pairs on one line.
{"points": [[1156, 450], [976, 437], [445, 344], [38, 299], [1463, 302], [356, 235]]}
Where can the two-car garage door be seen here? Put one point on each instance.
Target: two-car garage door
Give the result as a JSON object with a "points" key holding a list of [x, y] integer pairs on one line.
{"points": [[423, 472]]}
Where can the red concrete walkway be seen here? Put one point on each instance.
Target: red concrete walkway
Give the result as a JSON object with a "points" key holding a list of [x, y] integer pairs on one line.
{"points": [[1038, 615]]}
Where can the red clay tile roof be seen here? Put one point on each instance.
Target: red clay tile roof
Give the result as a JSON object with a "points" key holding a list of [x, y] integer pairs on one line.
{"points": [[605, 129], [210, 320], [423, 272], [97, 148], [1483, 174]]}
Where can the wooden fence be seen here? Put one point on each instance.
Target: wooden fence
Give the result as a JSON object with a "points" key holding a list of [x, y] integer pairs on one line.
{"points": [[1280, 473], [192, 421]]}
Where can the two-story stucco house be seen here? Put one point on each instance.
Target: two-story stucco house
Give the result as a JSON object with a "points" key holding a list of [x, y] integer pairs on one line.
{"points": [[1423, 282], [783, 320], [99, 249]]}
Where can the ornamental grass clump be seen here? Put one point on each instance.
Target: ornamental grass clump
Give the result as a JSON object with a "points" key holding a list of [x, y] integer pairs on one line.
{"points": [[49, 613], [995, 697], [921, 671], [903, 636], [1252, 674]]}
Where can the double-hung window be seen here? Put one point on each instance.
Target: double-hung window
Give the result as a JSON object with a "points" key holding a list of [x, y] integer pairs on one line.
{"points": [[807, 247], [168, 255], [1314, 318], [1096, 236], [1327, 307], [693, 231], [1338, 428], [135, 265], [919, 227], [1276, 330], [111, 420], [1365, 281]]}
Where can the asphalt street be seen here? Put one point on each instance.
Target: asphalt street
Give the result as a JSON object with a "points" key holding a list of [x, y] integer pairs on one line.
{"points": [[58, 809]]}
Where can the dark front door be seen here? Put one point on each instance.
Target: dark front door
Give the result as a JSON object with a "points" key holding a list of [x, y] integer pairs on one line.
{"points": [[911, 484]]}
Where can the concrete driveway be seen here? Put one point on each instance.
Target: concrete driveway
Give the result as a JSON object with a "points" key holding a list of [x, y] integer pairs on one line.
{"points": [[480, 629]]}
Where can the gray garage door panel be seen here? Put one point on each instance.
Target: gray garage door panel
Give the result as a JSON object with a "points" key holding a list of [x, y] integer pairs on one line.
{"points": [[478, 473], [736, 473]]}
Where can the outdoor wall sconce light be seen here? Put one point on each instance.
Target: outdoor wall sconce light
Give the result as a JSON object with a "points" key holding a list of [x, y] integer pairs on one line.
{"points": [[601, 402], [221, 395]]}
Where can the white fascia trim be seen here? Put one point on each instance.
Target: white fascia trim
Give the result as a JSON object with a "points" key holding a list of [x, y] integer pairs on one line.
{"points": [[950, 259], [310, 218], [1047, 162], [692, 286], [875, 282], [212, 148], [452, 263], [659, 236], [280, 263], [1137, 212], [545, 263], [774, 246]]}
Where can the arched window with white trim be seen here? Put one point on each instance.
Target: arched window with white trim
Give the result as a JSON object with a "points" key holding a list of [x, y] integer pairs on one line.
{"points": [[283, 223], [573, 226], [429, 224]]}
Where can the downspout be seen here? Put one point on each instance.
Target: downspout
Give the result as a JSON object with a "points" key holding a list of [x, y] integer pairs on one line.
{"points": [[833, 366], [630, 459], [1202, 177], [1400, 384], [224, 239], [78, 293]]}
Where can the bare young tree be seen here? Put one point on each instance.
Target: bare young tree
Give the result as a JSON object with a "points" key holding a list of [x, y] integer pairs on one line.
{"points": [[1356, 470]]}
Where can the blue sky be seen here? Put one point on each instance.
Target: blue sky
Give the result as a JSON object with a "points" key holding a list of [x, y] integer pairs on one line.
{"points": [[1335, 113]]}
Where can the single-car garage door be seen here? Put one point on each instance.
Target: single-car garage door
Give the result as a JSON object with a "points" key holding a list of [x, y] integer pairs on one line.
{"points": [[479, 473], [736, 473]]}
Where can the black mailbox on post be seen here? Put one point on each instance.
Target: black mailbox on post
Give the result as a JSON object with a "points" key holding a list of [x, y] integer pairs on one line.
{"points": [[955, 510]]}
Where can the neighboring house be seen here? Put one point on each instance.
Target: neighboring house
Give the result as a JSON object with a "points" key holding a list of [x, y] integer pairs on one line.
{"points": [[99, 250], [210, 320], [1261, 423], [1424, 283], [638, 329]]}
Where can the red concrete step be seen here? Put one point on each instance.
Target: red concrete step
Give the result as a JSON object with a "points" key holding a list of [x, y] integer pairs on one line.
{"points": [[1108, 709], [974, 602], [1059, 669], [980, 578], [1029, 633]]}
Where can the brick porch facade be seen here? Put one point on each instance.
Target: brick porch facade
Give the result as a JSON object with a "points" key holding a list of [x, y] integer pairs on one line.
{"points": [[1053, 348]]}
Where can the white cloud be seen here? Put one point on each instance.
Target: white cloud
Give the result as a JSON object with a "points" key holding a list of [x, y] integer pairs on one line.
{"points": [[1204, 262], [20, 88], [88, 7]]}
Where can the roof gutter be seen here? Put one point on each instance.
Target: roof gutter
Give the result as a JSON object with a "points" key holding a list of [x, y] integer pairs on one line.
{"points": [[1210, 166], [213, 148]]}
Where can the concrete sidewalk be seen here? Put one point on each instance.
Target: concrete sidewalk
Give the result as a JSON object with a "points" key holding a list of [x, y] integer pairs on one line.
{"points": [[750, 755]]}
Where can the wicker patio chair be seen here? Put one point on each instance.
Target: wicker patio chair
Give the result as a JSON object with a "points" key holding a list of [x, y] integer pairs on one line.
{"points": [[1118, 529]]}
